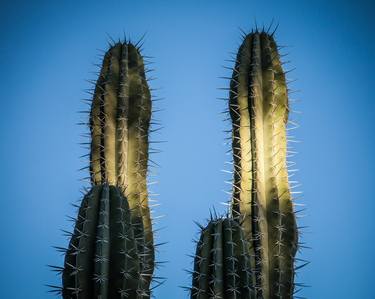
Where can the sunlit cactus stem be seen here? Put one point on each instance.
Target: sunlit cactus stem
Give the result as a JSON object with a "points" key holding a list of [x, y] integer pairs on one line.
{"points": [[119, 124], [262, 200], [222, 263]]}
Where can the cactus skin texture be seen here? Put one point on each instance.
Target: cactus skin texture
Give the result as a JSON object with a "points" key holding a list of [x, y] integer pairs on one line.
{"points": [[222, 263], [119, 124], [103, 258], [261, 199]]}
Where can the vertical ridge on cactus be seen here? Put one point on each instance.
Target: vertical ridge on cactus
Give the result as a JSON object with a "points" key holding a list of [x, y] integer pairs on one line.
{"points": [[119, 124], [261, 199]]}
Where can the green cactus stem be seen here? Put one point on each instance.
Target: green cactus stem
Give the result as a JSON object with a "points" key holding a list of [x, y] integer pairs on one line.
{"points": [[262, 200], [222, 263], [119, 125], [104, 257]]}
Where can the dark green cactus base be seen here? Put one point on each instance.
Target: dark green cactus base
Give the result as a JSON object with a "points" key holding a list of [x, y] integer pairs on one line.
{"points": [[104, 258], [222, 263]]}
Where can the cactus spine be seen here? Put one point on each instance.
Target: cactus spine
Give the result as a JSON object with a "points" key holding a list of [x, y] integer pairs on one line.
{"points": [[222, 263], [261, 199]]}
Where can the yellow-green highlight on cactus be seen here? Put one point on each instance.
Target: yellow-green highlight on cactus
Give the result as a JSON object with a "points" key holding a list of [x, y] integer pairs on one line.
{"points": [[119, 124], [261, 200]]}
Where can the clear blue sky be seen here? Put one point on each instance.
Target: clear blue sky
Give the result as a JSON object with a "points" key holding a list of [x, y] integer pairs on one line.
{"points": [[48, 49]]}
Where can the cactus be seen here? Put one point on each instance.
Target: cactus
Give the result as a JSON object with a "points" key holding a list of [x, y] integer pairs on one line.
{"points": [[119, 125], [103, 259], [261, 200], [222, 262], [111, 251]]}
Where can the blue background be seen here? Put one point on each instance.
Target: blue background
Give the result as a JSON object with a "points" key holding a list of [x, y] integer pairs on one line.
{"points": [[48, 49]]}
